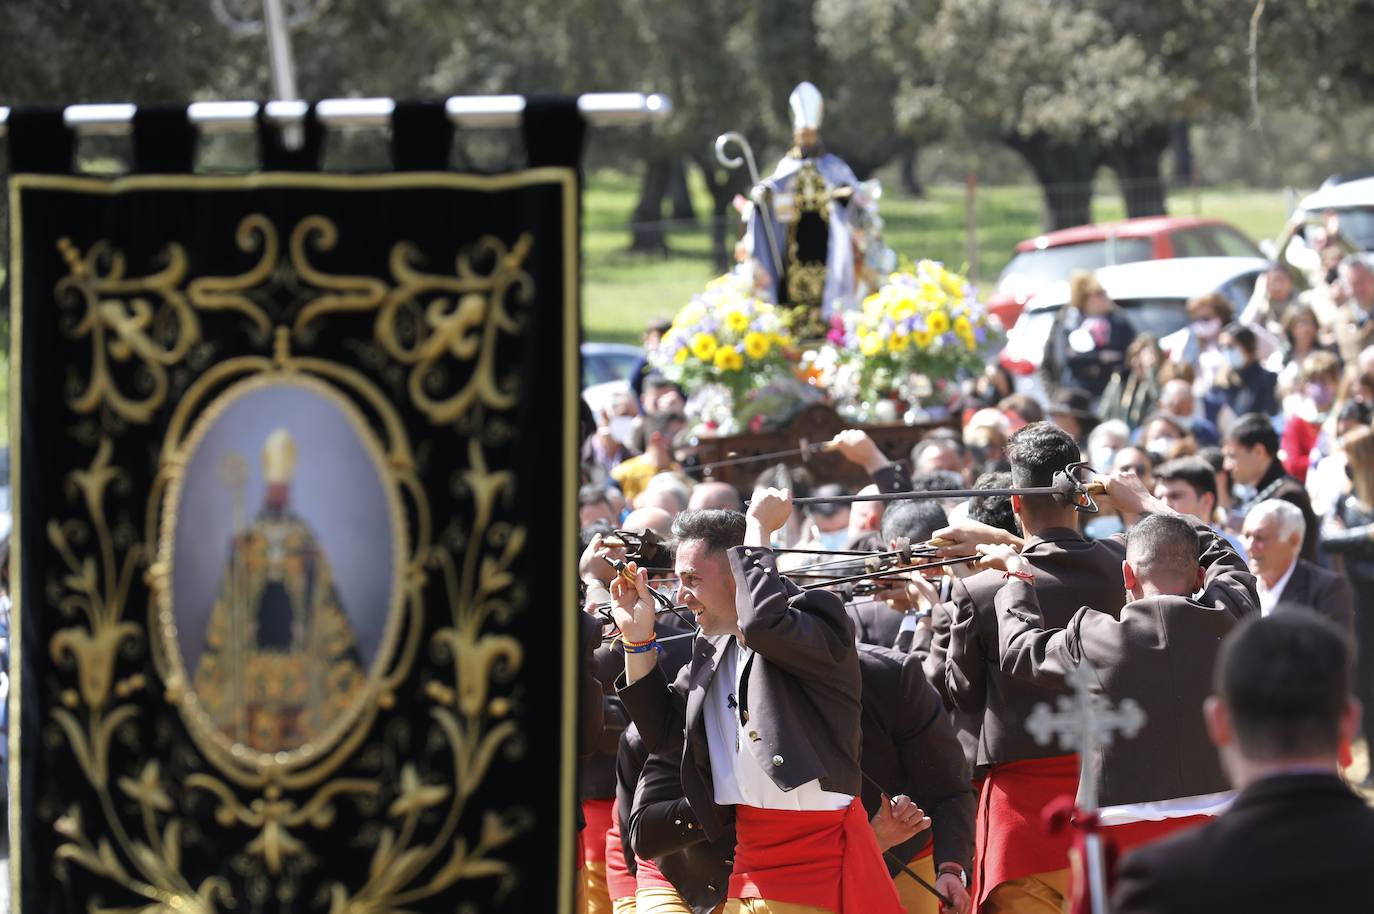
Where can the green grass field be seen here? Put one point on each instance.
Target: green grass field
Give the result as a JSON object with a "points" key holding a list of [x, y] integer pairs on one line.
{"points": [[622, 291]]}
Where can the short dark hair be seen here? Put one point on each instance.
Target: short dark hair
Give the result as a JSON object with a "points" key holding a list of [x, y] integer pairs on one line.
{"points": [[1252, 429], [1195, 471], [592, 530], [830, 508], [1285, 678], [937, 481], [1213, 457], [1025, 406], [592, 494], [1163, 550], [719, 530], [1243, 337], [1036, 452], [916, 520], [994, 510]]}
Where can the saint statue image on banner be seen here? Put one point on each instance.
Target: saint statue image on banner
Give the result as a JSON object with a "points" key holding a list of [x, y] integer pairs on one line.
{"points": [[281, 610]]}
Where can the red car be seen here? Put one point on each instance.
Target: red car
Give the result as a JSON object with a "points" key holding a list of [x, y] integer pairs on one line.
{"points": [[1053, 256]]}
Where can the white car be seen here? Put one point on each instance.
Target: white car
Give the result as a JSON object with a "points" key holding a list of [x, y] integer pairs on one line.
{"points": [[606, 370], [1153, 294], [1351, 199]]}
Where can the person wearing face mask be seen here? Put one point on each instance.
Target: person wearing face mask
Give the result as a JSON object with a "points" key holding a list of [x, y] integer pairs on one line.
{"points": [[1088, 341], [1165, 438], [1303, 440], [1244, 387], [1176, 400], [1301, 333], [1134, 389], [1198, 343]]}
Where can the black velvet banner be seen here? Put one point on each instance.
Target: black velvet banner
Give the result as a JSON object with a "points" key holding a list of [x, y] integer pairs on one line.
{"points": [[295, 497]]}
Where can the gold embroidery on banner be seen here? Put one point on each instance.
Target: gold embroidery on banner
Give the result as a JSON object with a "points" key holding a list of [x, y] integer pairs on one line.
{"points": [[450, 353]]}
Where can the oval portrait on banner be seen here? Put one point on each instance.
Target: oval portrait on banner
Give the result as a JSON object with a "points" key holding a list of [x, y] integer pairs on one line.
{"points": [[283, 564]]}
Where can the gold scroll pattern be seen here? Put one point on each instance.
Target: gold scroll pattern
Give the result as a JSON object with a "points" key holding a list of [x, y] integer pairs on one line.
{"points": [[152, 323]]}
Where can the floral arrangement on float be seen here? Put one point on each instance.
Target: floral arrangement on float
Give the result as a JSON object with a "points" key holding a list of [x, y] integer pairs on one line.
{"points": [[900, 354], [733, 353]]}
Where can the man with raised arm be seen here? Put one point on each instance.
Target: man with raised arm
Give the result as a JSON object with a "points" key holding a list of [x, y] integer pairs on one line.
{"points": [[771, 707], [1018, 866], [1159, 651]]}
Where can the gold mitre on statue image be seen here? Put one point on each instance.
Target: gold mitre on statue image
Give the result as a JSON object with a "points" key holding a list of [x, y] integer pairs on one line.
{"points": [[279, 458]]}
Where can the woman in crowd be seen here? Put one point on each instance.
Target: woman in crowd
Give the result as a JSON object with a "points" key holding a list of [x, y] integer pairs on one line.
{"points": [[1134, 388], [1300, 330], [1307, 410], [1089, 339], [1244, 386], [1198, 343], [1349, 533]]}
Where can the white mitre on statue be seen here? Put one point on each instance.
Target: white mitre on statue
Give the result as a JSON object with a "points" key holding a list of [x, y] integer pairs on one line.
{"points": [[807, 107]]}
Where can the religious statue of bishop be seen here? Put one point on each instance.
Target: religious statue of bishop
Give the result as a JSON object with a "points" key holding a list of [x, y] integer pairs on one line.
{"points": [[281, 661], [799, 228]]}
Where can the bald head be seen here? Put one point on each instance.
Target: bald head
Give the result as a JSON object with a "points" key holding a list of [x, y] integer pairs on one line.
{"points": [[720, 496], [865, 516], [655, 519]]}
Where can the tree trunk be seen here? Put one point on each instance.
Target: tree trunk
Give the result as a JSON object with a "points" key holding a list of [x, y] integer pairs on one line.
{"points": [[1136, 163], [1065, 171], [725, 228], [911, 182], [680, 195], [1182, 145], [646, 223]]}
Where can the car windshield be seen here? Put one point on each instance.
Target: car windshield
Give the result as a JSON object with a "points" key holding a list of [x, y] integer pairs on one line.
{"points": [[1032, 270], [600, 367], [1357, 224], [1159, 316]]}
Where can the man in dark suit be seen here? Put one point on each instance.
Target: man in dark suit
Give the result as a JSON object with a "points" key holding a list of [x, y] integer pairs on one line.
{"points": [[771, 704], [1159, 652], [1251, 449], [1019, 866], [1296, 838], [909, 748], [1273, 536]]}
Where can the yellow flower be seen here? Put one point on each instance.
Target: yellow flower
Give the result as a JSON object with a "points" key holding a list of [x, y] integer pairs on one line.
{"points": [[873, 306], [903, 310], [736, 320], [937, 323], [962, 326], [922, 339], [897, 342], [756, 345], [727, 359], [704, 346], [870, 344], [680, 356]]}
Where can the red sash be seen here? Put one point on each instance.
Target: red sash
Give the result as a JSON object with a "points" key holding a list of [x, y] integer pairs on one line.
{"points": [[650, 876], [827, 859], [598, 814], [619, 882], [1011, 841]]}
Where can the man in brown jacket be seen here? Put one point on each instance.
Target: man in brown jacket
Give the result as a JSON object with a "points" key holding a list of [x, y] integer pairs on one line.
{"points": [[1159, 652], [1017, 866], [1296, 838]]}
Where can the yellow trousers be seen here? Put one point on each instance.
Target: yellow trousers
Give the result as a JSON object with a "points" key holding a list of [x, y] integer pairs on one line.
{"points": [[1042, 893], [660, 901], [764, 906], [594, 888], [914, 897]]}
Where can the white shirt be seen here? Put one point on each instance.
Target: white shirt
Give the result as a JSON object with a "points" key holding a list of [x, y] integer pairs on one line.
{"points": [[1269, 597], [1209, 804], [738, 777]]}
